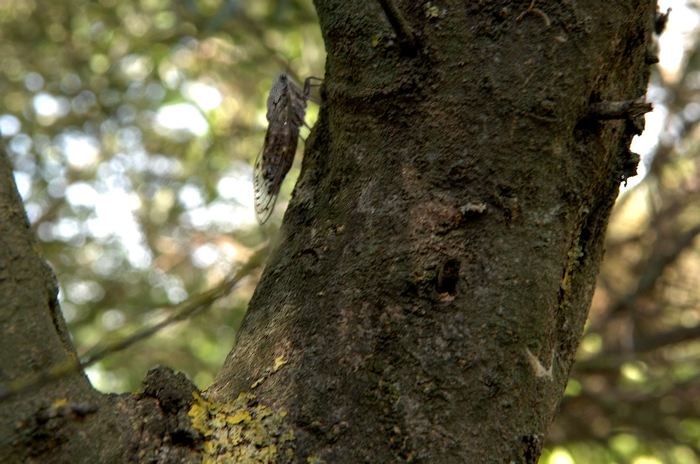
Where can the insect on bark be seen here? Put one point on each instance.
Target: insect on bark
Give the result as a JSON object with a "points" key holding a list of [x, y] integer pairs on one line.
{"points": [[286, 108]]}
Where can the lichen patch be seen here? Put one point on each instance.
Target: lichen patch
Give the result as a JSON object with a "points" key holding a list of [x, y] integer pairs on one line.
{"points": [[242, 431]]}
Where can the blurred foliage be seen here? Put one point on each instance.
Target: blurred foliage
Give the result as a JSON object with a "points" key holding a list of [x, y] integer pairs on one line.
{"points": [[132, 126]]}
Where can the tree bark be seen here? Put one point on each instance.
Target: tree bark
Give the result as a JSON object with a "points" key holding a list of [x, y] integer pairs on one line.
{"points": [[61, 421], [434, 269], [437, 260]]}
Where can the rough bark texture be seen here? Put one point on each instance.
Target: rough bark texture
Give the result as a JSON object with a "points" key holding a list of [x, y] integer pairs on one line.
{"points": [[438, 258], [66, 420], [435, 267], [34, 339]]}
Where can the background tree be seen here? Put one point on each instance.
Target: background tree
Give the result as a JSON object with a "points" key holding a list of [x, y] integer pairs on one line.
{"points": [[116, 117]]}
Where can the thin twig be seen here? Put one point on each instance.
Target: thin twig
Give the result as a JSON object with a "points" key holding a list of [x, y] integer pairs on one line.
{"points": [[626, 109], [259, 33], [654, 269], [660, 21], [182, 311], [612, 359], [534, 10], [404, 31]]}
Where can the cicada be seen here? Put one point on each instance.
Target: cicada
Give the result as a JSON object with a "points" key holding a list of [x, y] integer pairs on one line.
{"points": [[286, 108]]}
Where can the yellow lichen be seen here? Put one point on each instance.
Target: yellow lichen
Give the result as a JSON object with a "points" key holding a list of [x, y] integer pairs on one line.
{"points": [[574, 255], [241, 431], [258, 382], [433, 11], [59, 403], [239, 417], [279, 362]]}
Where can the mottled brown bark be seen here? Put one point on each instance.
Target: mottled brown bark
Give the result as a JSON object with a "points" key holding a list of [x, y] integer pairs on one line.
{"points": [[34, 339], [435, 266], [437, 260], [65, 420]]}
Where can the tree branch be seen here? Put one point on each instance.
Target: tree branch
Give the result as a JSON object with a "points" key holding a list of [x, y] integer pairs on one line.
{"points": [[626, 109], [613, 359], [655, 267]]}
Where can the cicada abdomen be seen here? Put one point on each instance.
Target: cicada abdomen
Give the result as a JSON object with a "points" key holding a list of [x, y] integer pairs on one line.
{"points": [[286, 108]]}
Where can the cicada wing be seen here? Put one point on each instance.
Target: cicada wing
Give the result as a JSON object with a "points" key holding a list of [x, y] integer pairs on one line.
{"points": [[271, 166], [265, 193]]}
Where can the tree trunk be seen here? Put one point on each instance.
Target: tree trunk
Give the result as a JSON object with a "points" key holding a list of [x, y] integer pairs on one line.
{"points": [[438, 258], [434, 269]]}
